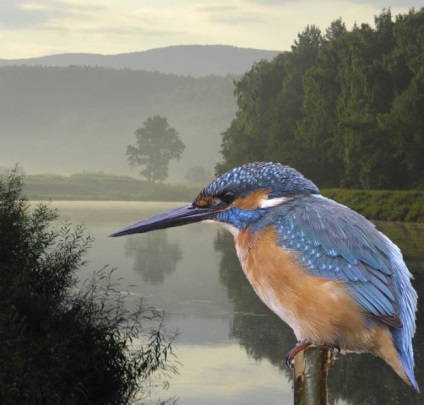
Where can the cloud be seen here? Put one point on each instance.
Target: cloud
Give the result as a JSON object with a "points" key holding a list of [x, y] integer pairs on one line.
{"points": [[14, 14], [23, 14], [376, 3], [388, 4], [272, 2], [236, 13], [113, 21], [36, 27], [122, 31]]}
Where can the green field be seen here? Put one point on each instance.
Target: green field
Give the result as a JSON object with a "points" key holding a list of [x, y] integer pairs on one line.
{"points": [[99, 186]]}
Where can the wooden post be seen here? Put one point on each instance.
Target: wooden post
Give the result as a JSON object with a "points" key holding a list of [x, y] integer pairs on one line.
{"points": [[310, 376]]}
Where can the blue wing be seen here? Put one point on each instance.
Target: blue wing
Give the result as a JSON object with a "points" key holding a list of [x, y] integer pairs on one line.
{"points": [[335, 242]]}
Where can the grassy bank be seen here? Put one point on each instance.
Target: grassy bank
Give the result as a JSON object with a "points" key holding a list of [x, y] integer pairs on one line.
{"points": [[405, 205], [385, 205], [99, 186]]}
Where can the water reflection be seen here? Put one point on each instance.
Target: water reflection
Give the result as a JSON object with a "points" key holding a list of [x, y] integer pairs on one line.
{"points": [[231, 346], [154, 257], [356, 379], [258, 330]]}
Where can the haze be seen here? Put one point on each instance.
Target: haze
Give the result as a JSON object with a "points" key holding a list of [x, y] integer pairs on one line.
{"points": [[75, 118]]}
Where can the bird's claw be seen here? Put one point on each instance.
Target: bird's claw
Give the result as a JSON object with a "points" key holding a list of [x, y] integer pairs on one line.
{"points": [[302, 344], [289, 361]]}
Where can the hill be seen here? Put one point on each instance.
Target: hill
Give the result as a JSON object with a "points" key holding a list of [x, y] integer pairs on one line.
{"points": [[183, 60], [68, 120]]}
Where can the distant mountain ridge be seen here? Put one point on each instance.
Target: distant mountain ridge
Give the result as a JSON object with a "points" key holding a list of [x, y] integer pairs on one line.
{"points": [[181, 60]]}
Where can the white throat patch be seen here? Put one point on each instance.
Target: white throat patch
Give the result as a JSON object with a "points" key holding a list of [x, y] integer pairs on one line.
{"points": [[273, 202]]}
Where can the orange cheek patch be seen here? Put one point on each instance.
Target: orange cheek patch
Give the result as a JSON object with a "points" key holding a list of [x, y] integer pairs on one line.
{"points": [[204, 202], [252, 201]]}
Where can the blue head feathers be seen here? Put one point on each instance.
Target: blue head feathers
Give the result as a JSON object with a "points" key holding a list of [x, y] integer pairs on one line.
{"points": [[278, 180]]}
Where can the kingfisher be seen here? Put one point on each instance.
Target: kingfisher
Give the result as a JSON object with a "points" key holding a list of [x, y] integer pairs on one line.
{"points": [[324, 269]]}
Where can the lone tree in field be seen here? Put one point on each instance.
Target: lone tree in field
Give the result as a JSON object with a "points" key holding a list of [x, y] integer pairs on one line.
{"points": [[157, 144]]}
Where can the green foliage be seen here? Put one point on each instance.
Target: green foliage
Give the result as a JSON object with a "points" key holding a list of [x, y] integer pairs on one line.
{"points": [[344, 108], [386, 205], [269, 98], [157, 144], [60, 343]]}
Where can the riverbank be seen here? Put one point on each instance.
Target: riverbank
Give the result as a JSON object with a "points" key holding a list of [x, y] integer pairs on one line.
{"points": [[383, 205], [103, 187]]}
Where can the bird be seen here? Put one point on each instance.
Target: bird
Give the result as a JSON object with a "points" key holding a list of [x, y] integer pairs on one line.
{"points": [[321, 267]]}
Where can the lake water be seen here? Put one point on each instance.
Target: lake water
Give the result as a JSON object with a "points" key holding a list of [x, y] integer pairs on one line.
{"points": [[230, 346]]}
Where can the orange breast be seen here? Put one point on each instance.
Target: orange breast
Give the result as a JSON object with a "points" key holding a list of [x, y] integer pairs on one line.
{"points": [[314, 307]]}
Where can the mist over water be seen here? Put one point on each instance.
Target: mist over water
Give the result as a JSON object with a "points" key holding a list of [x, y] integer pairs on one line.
{"points": [[231, 347]]}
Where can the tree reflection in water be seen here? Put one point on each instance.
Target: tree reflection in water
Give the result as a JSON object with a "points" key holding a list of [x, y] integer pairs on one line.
{"points": [[154, 257], [355, 379], [258, 330]]}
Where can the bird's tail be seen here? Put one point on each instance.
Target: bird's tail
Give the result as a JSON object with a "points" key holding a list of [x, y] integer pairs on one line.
{"points": [[404, 348], [402, 337]]}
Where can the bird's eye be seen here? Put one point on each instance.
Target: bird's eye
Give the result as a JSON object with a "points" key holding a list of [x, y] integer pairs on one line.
{"points": [[228, 197]]}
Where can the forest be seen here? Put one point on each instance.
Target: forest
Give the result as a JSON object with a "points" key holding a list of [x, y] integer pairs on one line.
{"points": [[345, 107]]}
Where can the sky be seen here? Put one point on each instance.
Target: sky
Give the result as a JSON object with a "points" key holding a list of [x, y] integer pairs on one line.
{"points": [[31, 28]]}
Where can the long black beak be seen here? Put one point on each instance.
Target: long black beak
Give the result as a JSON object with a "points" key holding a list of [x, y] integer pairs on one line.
{"points": [[180, 216]]}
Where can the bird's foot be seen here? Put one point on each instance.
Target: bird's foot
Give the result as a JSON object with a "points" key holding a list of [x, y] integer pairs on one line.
{"points": [[300, 345], [303, 344]]}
